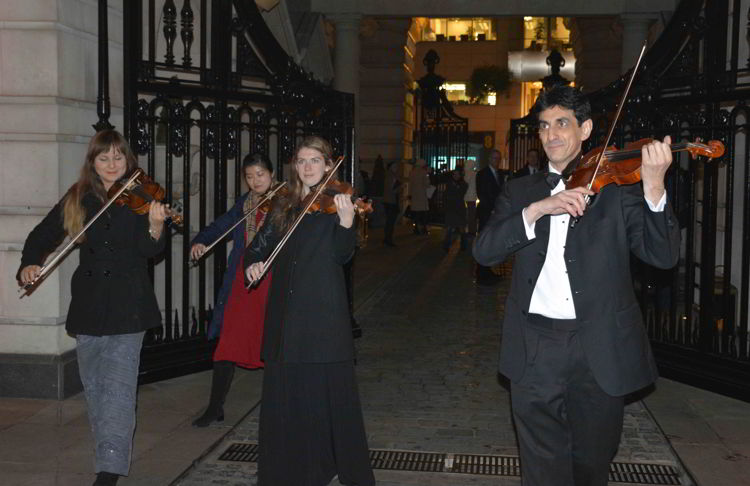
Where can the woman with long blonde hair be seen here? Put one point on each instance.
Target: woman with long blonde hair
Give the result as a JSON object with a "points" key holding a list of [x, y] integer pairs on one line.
{"points": [[112, 300], [310, 413]]}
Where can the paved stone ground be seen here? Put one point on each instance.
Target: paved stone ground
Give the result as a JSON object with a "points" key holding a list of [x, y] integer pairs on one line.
{"points": [[427, 372]]}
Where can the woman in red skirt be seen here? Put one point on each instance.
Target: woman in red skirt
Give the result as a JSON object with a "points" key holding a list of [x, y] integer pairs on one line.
{"points": [[238, 314]]}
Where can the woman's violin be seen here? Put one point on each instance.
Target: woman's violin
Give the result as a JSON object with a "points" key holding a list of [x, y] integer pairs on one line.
{"points": [[139, 195], [324, 201], [263, 206], [624, 166]]}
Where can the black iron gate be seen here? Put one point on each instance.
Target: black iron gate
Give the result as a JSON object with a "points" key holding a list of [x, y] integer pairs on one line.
{"points": [[694, 84], [205, 83], [442, 138]]}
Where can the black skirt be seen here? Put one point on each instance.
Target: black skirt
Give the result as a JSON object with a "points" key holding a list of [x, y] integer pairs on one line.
{"points": [[311, 426]]}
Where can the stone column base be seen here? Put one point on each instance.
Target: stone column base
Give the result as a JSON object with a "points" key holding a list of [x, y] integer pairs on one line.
{"points": [[39, 375]]}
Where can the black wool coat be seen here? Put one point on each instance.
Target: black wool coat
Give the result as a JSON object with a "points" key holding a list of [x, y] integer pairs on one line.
{"points": [[307, 315], [111, 292], [597, 258]]}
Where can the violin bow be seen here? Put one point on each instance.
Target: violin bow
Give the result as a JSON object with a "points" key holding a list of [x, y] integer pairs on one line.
{"points": [[266, 197], [318, 191], [47, 267], [624, 97]]}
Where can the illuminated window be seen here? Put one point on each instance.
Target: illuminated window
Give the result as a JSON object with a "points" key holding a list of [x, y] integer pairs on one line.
{"points": [[546, 33], [457, 29], [456, 92]]}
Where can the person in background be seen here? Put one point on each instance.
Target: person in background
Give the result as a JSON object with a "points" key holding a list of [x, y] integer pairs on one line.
{"points": [[238, 315], [391, 196], [489, 182], [112, 301], [419, 181], [532, 164], [455, 210], [470, 198]]}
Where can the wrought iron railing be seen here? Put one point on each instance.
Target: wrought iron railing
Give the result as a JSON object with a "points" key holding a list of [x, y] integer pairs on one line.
{"points": [[205, 83]]}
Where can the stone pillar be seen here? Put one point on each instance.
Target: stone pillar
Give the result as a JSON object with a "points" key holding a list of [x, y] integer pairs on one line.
{"points": [[634, 32], [48, 65], [346, 61], [597, 50]]}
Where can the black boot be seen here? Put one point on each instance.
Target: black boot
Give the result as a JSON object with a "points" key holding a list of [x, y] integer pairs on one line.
{"points": [[106, 479], [220, 383]]}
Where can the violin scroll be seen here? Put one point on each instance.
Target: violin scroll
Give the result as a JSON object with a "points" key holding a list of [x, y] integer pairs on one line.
{"points": [[713, 149]]}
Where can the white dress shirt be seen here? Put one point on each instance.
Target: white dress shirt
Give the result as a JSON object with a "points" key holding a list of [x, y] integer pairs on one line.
{"points": [[552, 296]]}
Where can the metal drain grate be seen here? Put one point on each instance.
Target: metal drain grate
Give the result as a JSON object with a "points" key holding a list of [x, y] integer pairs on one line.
{"points": [[407, 461], [486, 465], [639, 473], [240, 452], [476, 464]]}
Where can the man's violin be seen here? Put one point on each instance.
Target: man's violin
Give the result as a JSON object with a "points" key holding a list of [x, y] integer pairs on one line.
{"points": [[624, 166]]}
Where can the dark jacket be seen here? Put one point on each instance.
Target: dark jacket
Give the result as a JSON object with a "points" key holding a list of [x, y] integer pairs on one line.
{"points": [[524, 171], [597, 256], [488, 189], [111, 292], [307, 316], [206, 237]]}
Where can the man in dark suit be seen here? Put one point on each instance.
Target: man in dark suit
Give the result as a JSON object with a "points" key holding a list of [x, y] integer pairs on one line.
{"points": [[573, 341], [489, 182], [532, 164]]}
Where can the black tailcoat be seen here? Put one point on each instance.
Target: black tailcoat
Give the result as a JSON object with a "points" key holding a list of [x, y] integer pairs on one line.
{"points": [[597, 256]]}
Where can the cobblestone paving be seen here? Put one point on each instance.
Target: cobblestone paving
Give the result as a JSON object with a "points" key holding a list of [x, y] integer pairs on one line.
{"points": [[427, 376]]}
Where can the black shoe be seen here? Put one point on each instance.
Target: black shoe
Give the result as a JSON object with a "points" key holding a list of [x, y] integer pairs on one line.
{"points": [[389, 243], [209, 417], [106, 479]]}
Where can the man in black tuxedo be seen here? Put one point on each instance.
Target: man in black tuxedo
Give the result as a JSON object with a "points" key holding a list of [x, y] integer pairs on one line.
{"points": [[573, 341], [489, 182], [532, 164]]}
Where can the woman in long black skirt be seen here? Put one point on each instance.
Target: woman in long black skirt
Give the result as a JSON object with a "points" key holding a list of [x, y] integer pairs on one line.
{"points": [[311, 425]]}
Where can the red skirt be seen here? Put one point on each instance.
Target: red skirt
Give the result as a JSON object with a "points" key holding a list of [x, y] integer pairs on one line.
{"points": [[241, 334]]}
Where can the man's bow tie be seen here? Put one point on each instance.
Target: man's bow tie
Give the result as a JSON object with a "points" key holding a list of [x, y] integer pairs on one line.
{"points": [[552, 179]]}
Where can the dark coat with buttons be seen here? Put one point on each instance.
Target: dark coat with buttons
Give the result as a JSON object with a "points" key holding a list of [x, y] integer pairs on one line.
{"points": [[307, 315], [597, 255], [111, 292]]}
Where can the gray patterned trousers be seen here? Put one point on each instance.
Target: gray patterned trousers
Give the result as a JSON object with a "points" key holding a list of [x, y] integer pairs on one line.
{"points": [[108, 366]]}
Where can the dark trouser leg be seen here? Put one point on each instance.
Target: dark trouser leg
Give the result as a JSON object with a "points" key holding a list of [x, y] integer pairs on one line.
{"points": [[448, 239], [221, 381], [391, 212], [568, 428], [421, 221], [471, 217]]}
